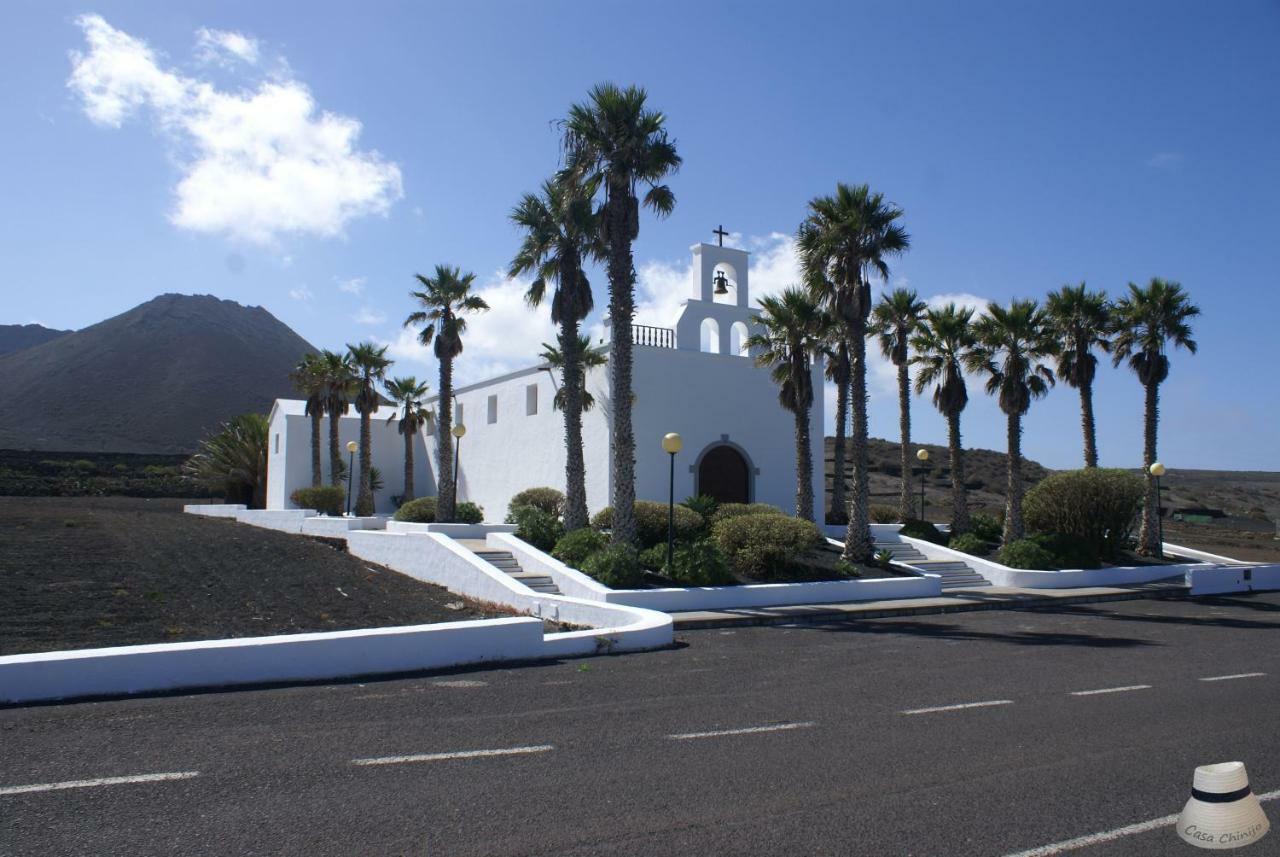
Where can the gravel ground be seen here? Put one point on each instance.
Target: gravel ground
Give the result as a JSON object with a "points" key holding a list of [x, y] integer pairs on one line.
{"points": [[81, 572]]}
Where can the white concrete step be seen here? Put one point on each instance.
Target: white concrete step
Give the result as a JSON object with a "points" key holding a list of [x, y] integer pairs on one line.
{"points": [[505, 561]]}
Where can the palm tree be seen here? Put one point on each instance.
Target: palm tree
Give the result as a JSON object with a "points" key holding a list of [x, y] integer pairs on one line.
{"points": [[370, 362], [234, 461], [1081, 319], [837, 368], [444, 298], [1144, 321], [893, 322], [940, 344], [1010, 345], [614, 142], [843, 242], [590, 358], [794, 330], [308, 379], [407, 394], [339, 384], [561, 232]]}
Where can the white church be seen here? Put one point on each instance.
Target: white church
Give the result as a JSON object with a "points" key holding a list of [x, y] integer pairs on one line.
{"points": [[696, 378]]}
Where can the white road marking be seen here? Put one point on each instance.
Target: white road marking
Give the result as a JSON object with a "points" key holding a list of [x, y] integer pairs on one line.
{"points": [[1229, 677], [461, 754], [960, 706], [1111, 690], [1111, 835], [462, 682], [750, 730], [102, 781]]}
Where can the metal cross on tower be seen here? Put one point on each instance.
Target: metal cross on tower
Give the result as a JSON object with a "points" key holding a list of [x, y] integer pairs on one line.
{"points": [[719, 233]]}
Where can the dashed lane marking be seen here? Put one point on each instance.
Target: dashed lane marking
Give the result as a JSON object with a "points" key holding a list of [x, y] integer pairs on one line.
{"points": [[461, 754], [1230, 677], [962, 705], [1111, 690], [750, 730], [101, 781]]}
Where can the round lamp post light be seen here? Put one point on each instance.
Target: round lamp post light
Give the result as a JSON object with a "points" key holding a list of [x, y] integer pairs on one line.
{"points": [[352, 447], [1157, 470], [671, 444], [457, 431], [922, 455]]}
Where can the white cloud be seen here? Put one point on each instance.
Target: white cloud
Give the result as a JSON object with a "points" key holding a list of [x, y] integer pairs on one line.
{"points": [[368, 315], [353, 286], [1165, 160], [220, 46], [301, 293], [507, 337], [256, 164], [406, 348]]}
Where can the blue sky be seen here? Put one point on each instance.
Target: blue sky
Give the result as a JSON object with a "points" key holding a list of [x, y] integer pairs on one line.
{"points": [[309, 157]]}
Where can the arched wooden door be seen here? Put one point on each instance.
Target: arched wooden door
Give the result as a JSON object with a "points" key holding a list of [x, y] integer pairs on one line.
{"points": [[723, 474]]}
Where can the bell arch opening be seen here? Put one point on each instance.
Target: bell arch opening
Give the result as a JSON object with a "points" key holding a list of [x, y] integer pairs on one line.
{"points": [[710, 336]]}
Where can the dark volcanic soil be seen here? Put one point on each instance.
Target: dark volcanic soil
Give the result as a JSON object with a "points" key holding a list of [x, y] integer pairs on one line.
{"points": [[79, 572]]}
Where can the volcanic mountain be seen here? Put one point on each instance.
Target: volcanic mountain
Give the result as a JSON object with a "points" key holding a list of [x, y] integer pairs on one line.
{"points": [[15, 337], [154, 379]]}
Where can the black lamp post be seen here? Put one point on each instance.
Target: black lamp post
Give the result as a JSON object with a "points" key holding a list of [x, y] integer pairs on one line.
{"points": [[457, 431], [671, 444], [922, 455], [352, 446], [1157, 470]]}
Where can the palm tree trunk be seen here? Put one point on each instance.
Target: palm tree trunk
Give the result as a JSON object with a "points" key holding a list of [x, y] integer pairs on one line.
{"points": [[858, 543], [364, 499], [408, 466], [904, 430], [335, 450], [575, 479], [1149, 533], [959, 499], [445, 487], [1086, 424], [839, 513], [804, 465], [621, 267], [1013, 529], [317, 475]]}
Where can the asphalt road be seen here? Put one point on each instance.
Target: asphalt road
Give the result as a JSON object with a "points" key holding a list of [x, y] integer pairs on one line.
{"points": [[851, 746]]}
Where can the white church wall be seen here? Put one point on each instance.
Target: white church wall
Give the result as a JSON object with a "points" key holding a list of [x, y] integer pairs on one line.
{"points": [[711, 399]]}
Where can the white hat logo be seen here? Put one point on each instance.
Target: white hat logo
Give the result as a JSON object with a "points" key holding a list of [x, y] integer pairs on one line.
{"points": [[1223, 811]]}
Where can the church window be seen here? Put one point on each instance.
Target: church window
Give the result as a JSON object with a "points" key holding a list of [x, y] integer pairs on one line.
{"points": [[738, 339], [710, 336], [530, 400], [277, 443], [492, 407]]}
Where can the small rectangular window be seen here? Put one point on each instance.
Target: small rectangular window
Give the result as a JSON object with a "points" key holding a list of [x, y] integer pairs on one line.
{"points": [[431, 425], [457, 417], [530, 400], [493, 410], [277, 443]]}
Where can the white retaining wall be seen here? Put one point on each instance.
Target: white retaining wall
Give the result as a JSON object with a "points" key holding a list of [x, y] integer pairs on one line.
{"points": [[1235, 578], [457, 531], [338, 527], [256, 660], [284, 520], [215, 510]]}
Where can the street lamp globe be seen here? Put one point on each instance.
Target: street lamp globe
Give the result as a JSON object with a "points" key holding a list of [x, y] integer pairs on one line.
{"points": [[352, 446], [458, 431], [672, 443], [1157, 469], [922, 454]]}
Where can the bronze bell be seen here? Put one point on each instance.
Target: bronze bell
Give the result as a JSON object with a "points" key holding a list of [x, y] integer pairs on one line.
{"points": [[721, 282]]}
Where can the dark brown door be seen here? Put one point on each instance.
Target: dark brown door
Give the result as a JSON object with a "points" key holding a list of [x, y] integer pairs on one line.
{"points": [[723, 475]]}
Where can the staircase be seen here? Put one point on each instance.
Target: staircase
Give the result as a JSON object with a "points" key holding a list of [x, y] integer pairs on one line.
{"points": [[506, 562], [955, 573]]}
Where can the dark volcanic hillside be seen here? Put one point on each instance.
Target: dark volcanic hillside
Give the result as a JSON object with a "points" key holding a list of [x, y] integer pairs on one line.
{"points": [[152, 380], [15, 337]]}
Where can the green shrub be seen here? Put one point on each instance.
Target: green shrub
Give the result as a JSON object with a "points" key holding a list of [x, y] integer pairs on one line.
{"points": [[549, 500], [84, 465], [989, 528], [1025, 553], [616, 566], [765, 545], [701, 564], [468, 513], [1067, 551], [325, 499], [419, 511], [537, 527], [736, 510], [702, 504], [917, 529], [1098, 506], [881, 514], [654, 558], [970, 544], [572, 548], [651, 522]]}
